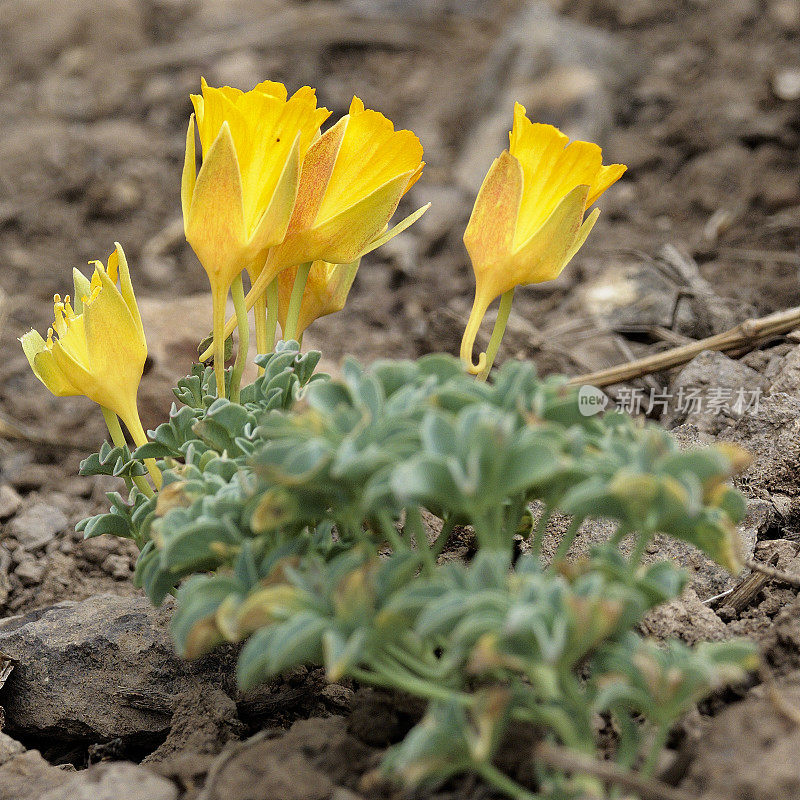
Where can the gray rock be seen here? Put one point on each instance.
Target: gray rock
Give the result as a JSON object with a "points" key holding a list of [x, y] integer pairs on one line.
{"points": [[30, 571], [772, 437], [118, 781], [27, 776], [9, 748], [712, 392], [10, 501], [37, 525], [102, 668], [787, 374]]}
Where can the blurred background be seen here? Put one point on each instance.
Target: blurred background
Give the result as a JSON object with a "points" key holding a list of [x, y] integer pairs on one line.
{"points": [[700, 98]]}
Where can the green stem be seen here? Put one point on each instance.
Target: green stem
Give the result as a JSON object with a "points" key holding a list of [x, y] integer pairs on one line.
{"points": [[502, 782], [134, 425], [260, 312], [272, 314], [237, 293], [118, 437], [218, 301], [497, 332], [296, 300]]}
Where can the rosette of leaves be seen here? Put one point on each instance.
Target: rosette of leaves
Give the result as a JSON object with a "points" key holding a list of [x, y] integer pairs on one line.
{"points": [[292, 522]]}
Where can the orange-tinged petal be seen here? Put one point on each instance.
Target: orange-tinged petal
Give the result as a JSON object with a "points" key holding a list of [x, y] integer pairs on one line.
{"points": [[318, 167], [343, 238], [215, 226], [489, 235], [372, 153], [325, 293], [189, 175]]}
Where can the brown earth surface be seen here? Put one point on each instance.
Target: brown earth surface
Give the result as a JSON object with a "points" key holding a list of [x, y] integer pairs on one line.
{"points": [[700, 98]]}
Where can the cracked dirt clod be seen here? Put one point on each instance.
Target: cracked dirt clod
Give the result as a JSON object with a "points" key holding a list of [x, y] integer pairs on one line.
{"points": [[100, 669]]}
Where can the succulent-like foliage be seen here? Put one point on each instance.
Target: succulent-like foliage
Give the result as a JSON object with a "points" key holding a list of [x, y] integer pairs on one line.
{"points": [[293, 522]]}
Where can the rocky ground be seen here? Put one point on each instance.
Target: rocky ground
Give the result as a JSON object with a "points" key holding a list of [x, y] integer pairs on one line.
{"points": [[700, 98]]}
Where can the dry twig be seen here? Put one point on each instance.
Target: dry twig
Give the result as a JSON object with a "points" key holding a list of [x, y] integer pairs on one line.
{"points": [[748, 334]]}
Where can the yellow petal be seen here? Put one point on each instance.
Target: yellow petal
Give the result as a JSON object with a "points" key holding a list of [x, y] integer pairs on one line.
{"points": [[271, 228], [543, 256], [608, 176], [372, 153], [343, 238], [552, 168], [117, 351], [489, 235], [44, 366], [212, 109], [189, 175], [215, 227], [272, 88], [126, 287], [264, 134], [583, 232], [82, 289]]}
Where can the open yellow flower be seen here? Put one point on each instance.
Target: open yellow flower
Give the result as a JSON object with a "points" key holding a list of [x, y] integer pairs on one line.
{"points": [[253, 144], [325, 292], [528, 219], [239, 204], [352, 180], [97, 347]]}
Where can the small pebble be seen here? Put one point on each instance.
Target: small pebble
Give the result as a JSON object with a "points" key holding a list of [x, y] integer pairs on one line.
{"points": [[10, 501], [786, 84], [37, 525], [117, 566], [30, 572]]}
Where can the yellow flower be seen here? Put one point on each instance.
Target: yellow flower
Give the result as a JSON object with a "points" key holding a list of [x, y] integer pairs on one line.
{"points": [[325, 293], [97, 347], [240, 203], [528, 220], [352, 180]]}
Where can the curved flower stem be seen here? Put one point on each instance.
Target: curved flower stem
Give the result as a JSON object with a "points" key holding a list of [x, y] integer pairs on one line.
{"points": [[296, 300], [118, 437], [218, 345], [476, 316], [237, 292], [497, 332]]}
